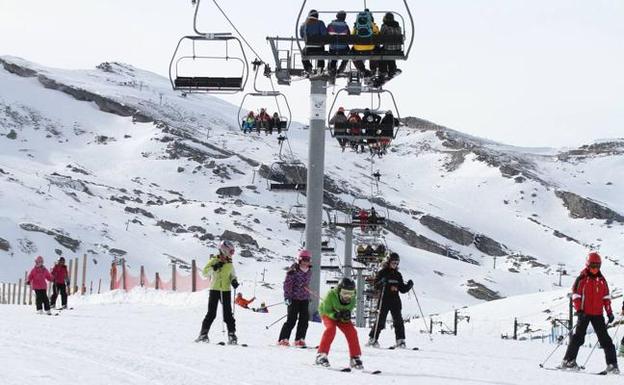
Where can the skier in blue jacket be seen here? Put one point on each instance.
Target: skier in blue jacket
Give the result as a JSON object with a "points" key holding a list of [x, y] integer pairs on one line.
{"points": [[313, 27], [338, 27]]}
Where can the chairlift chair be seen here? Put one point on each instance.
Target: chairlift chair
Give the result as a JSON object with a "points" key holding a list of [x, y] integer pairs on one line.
{"points": [[194, 81], [296, 217], [375, 40], [285, 120], [285, 185]]}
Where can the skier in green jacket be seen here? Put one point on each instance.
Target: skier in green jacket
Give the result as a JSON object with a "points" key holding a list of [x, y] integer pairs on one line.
{"points": [[221, 270], [335, 312]]}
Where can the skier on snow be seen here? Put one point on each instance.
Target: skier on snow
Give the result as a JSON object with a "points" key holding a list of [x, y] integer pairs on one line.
{"points": [[590, 294], [221, 269], [297, 298], [390, 282], [37, 280], [335, 312], [61, 283]]}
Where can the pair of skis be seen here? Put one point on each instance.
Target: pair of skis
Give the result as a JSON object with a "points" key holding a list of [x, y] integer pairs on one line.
{"points": [[580, 369], [349, 370]]}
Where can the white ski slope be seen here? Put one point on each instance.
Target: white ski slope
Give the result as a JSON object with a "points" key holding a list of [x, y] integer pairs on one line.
{"points": [[145, 337]]}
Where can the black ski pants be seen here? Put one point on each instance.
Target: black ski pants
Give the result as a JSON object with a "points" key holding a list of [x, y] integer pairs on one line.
{"points": [[393, 306], [41, 299], [297, 309], [213, 301], [598, 323], [59, 288], [307, 64]]}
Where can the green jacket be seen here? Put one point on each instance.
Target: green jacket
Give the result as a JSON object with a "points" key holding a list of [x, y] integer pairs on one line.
{"points": [[331, 304], [222, 278]]}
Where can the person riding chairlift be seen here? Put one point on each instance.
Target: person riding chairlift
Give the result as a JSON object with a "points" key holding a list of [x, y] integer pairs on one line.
{"points": [[313, 27], [249, 123], [340, 121], [338, 27], [262, 120], [275, 123], [365, 26]]}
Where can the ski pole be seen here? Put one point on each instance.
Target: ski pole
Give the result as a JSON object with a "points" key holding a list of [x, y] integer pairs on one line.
{"points": [[276, 321], [375, 335], [234, 304], [559, 344], [422, 314], [223, 310], [274, 304]]}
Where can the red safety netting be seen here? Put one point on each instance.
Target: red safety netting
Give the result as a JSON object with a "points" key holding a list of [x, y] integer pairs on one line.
{"points": [[183, 282]]}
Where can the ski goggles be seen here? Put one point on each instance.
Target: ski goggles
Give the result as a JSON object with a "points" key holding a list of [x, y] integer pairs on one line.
{"points": [[394, 263], [594, 266], [346, 294]]}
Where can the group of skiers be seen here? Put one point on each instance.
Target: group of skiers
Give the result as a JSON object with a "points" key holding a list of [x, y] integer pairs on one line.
{"points": [[368, 129], [38, 278], [364, 27], [334, 309], [262, 121]]}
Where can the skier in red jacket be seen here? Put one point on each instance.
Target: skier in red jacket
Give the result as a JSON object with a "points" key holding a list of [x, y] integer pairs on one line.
{"points": [[590, 294], [61, 282]]}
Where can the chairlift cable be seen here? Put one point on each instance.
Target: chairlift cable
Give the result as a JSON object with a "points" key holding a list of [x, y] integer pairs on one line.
{"points": [[237, 31]]}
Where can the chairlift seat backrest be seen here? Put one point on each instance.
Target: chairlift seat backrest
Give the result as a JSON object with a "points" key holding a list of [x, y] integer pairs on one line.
{"points": [[217, 83]]}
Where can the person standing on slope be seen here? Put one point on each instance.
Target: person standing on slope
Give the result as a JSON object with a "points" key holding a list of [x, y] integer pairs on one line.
{"points": [[297, 298], [37, 280], [221, 270], [390, 282], [61, 282], [335, 312], [590, 295]]}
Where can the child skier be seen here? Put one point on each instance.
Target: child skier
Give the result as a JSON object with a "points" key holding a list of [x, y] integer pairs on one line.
{"points": [[221, 269], [297, 298], [590, 294], [37, 280], [61, 282], [390, 282], [335, 312]]}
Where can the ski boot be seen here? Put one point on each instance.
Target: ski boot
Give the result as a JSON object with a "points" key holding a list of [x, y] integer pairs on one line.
{"points": [[52, 307], [48, 312], [569, 365], [202, 338], [356, 363], [372, 343], [283, 342], [300, 344], [611, 369], [400, 344], [232, 340], [40, 312], [321, 359]]}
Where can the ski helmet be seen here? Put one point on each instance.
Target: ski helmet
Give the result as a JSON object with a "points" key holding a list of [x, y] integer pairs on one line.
{"points": [[313, 14], [394, 257], [304, 256], [346, 284], [62, 259], [39, 260], [226, 248], [593, 259], [341, 15]]}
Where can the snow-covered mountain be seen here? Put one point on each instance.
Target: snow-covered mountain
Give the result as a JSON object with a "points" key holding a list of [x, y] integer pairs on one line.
{"points": [[110, 162]]}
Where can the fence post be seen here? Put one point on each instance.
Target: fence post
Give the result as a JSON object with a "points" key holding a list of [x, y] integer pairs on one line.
{"points": [[99, 285], [157, 284], [25, 287], [193, 276], [113, 274], [2, 298], [91, 288], [19, 292], [14, 292], [515, 335], [455, 324], [29, 294], [173, 277], [75, 280], [123, 274], [84, 274], [142, 275], [69, 274], [430, 326]]}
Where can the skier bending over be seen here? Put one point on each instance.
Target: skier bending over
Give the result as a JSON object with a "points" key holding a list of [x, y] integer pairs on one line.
{"points": [[590, 294], [335, 312], [390, 282], [221, 269], [297, 298]]}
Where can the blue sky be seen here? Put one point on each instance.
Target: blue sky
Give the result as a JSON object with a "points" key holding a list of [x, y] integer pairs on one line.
{"points": [[523, 72]]}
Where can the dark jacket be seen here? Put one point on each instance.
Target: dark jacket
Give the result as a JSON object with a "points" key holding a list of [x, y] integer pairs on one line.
{"points": [[391, 28], [388, 122], [296, 283], [393, 282], [312, 27], [341, 28]]}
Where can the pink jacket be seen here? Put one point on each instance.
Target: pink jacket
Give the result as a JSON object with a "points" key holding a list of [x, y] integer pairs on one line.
{"points": [[37, 278]]}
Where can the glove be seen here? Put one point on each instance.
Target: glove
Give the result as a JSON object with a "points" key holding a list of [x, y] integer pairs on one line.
{"points": [[611, 318], [217, 266], [287, 301], [580, 314], [410, 284], [343, 315], [66, 282], [235, 283]]}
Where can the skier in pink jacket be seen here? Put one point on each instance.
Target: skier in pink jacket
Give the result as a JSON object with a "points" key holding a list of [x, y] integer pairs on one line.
{"points": [[37, 280]]}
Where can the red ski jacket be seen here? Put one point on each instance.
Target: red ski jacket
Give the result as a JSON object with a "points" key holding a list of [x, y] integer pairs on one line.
{"points": [[590, 294], [59, 272]]}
